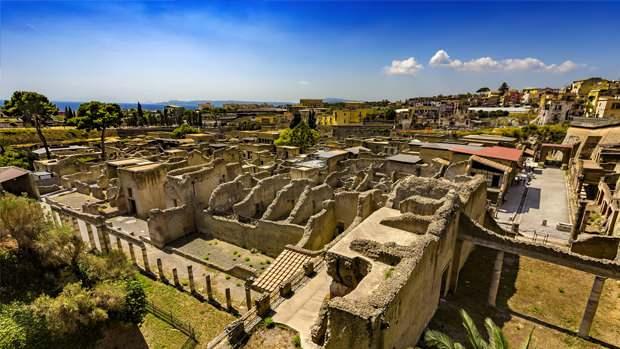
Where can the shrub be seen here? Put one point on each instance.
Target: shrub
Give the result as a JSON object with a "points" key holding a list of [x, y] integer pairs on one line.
{"points": [[135, 302], [268, 322], [297, 341], [183, 130]]}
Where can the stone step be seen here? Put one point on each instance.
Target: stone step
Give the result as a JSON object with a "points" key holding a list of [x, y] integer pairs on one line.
{"points": [[287, 264]]}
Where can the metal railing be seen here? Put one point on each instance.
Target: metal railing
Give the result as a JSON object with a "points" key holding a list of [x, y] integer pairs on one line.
{"points": [[173, 321]]}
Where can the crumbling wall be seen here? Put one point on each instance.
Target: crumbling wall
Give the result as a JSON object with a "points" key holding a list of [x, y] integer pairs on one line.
{"points": [[267, 237], [226, 195], [194, 185], [310, 202], [456, 169], [170, 224], [321, 227], [285, 200], [263, 193], [346, 207], [605, 247]]}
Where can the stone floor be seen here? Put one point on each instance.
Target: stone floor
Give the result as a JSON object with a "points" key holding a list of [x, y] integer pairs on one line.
{"points": [[301, 311], [546, 199]]}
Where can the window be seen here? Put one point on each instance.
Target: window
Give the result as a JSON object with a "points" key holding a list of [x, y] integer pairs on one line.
{"points": [[615, 106]]}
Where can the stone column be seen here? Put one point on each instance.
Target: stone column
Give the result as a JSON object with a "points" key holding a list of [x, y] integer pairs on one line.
{"points": [[495, 278], [248, 293], [581, 210], [175, 277], [160, 270], [145, 259], [119, 244], [454, 269], [132, 253], [228, 300], [190, 276], [209, 289], [579, 185], [591, 306], [91, 238]]}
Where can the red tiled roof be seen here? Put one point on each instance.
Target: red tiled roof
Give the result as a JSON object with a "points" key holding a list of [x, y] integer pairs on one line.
{"points": [[495, 152]]}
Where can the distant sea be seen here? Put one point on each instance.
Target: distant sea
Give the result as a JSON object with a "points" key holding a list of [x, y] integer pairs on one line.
{"points": [[159, 106]]}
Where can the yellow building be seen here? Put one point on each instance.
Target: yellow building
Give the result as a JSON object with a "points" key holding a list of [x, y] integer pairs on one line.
{"points": [[608, 107], [344, 117], [267, 120]]}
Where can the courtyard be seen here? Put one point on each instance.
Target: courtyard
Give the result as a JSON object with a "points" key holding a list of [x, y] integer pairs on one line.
{"points": [[532, 295], [545, 200]]}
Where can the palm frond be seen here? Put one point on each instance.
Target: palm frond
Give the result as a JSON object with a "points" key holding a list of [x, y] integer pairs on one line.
{"points": [[475, 339], [496, 337], [440, 340]]}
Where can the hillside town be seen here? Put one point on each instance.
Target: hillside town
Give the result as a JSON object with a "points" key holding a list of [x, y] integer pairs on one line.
{"points": [[326, 224]]}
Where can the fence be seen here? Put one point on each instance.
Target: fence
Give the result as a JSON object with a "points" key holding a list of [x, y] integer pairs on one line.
{"points": [[169, 318]]}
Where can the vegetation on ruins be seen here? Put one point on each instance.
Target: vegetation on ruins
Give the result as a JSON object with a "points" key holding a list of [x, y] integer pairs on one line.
{"points": [[14, 157], [53, 293], [497, 340], [183, 130], [301, 136], [98, 116], [33, 109], [296, 120]]}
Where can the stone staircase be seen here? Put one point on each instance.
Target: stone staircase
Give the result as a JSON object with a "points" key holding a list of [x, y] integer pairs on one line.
{"points": [[287, 264]]}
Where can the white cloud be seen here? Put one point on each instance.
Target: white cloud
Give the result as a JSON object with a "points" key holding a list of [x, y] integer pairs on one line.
{"points": [[407, 66], [303, 82], [485, 64]]}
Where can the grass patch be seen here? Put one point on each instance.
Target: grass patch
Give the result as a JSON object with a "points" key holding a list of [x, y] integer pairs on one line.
{"points": [[206, 319], [158, 334]]}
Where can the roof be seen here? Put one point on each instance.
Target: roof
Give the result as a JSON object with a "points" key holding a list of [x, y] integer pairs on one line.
{"points": [[330, 153], [11, 172], [405, 158], [491, 163], [491, 138], [357, 150], [41, 151], [495, 152]]}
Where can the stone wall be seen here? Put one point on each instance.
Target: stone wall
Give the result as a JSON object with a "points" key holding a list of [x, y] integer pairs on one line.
{"points": [[321, 227], [170, 224], [310, 202], [285, 200], [226, 195], [260, 197], [267, 237]]}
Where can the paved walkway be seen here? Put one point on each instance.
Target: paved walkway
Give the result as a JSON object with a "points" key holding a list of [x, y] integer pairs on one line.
{"points": [[546, 200], [301, 311]]}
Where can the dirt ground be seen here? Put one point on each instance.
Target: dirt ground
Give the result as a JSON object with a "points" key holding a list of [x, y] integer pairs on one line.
{"points": [[280, 337], [533, 294]]}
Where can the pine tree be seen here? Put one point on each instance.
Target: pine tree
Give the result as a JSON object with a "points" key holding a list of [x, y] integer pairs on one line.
{"points": [[140, 115]]}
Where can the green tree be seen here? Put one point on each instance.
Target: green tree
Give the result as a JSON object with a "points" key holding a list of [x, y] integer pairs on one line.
{"points": [[13, 157], [497, 340], [135, 302], [98, 116], [390, 115], [21, 219], [503, 88], [312, 120], [140, 115], [183, 130], [483, 89], [301, 136], [32, 108], [296, 120]]}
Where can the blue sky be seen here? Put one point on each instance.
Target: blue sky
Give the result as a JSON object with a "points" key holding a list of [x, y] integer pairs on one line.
{"points": [[285, 50]]}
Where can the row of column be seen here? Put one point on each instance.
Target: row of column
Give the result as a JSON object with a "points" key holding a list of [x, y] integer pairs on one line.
{"points": [[591, 305], [190, 274]]}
